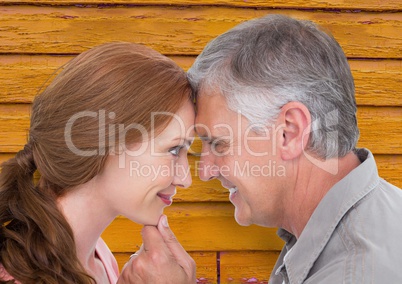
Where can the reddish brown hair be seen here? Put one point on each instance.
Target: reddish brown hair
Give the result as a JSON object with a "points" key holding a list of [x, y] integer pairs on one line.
{"points": [[126, 80]]}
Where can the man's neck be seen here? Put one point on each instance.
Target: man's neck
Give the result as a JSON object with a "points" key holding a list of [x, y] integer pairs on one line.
{"points": [[312, 181]]}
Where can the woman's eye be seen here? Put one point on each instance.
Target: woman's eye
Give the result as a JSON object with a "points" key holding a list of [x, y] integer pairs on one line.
{"points": [[175, 150]]}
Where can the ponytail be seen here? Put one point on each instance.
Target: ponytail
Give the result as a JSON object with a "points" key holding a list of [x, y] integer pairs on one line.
{"points": [[36, 242]]}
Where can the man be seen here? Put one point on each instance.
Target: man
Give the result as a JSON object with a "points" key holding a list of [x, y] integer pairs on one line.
{"points": [[279, 91]]}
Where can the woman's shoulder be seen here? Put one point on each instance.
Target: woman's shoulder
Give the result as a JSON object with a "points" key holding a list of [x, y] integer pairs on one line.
{"points": [[5, 276], [103, 253]]}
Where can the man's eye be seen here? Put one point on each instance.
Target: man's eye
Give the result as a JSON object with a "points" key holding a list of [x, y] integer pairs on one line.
{"points": [[218, 145], [175, 150]]}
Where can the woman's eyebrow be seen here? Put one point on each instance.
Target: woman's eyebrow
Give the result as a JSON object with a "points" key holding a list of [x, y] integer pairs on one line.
{"points": [[186, 140]]}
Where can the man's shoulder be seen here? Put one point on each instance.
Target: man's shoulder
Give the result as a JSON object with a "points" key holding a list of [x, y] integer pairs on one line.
{"points": [[365, 247], [348, 272], [372, 225], [390, 189], [384, 201]]}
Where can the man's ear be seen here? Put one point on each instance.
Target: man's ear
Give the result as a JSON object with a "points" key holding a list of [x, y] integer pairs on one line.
{"points": [[296, 121]]}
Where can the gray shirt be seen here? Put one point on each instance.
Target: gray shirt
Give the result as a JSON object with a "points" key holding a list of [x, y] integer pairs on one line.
{"points": [[353, 236]]}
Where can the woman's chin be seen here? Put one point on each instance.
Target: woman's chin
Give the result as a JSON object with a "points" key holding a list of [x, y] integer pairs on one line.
{"points": [[150, 221]]}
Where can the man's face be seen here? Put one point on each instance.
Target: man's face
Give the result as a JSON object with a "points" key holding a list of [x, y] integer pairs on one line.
{"points": [[245, 162]]}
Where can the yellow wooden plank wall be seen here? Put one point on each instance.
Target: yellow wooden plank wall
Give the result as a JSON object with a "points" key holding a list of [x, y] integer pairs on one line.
{"points": [[38, 36]]}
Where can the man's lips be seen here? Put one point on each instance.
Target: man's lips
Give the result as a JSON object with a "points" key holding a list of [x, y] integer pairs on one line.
{"points": [[226, 184], [233, 193], [231, 187]]}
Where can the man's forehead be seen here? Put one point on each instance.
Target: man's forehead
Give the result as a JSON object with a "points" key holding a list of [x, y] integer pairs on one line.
{"points": [[214, 119], [210, 108], [209, 97]]}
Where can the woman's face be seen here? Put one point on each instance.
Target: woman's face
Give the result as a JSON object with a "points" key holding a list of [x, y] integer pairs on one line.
{"points": [[140, 182]]}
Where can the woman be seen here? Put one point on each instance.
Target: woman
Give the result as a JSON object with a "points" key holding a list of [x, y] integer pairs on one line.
{"points": [[108, 137]]}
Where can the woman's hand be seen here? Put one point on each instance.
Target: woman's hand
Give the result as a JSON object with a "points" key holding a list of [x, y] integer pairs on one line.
{"points": [[161, 259]]}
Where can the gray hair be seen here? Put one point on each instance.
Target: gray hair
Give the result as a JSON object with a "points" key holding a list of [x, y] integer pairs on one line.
{"points": [[262, 64]]}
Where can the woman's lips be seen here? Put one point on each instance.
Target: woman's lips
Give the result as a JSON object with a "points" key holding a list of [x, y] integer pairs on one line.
{"points": [[166, 198]]}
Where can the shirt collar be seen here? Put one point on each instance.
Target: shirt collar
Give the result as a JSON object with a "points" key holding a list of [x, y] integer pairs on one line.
{"points": [[325, 218]]}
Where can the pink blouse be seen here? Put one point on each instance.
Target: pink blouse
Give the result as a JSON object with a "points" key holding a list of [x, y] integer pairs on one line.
{"points": [[102, 252], [108, 260]]}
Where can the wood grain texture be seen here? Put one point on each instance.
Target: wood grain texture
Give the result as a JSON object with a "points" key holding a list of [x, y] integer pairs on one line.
{"points": [[390, 168], [5, 156], [198, 227], [324, 4], [38, 36], [235, 266], [24, 76], [377, 124], [179, 30], [247, 266], [206, 265], [378, 82], [14, 125]]}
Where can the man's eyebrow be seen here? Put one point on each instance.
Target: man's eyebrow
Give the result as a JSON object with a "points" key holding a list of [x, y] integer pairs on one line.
{"points": [[211, 138], [200, 133], [205, 137]]}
